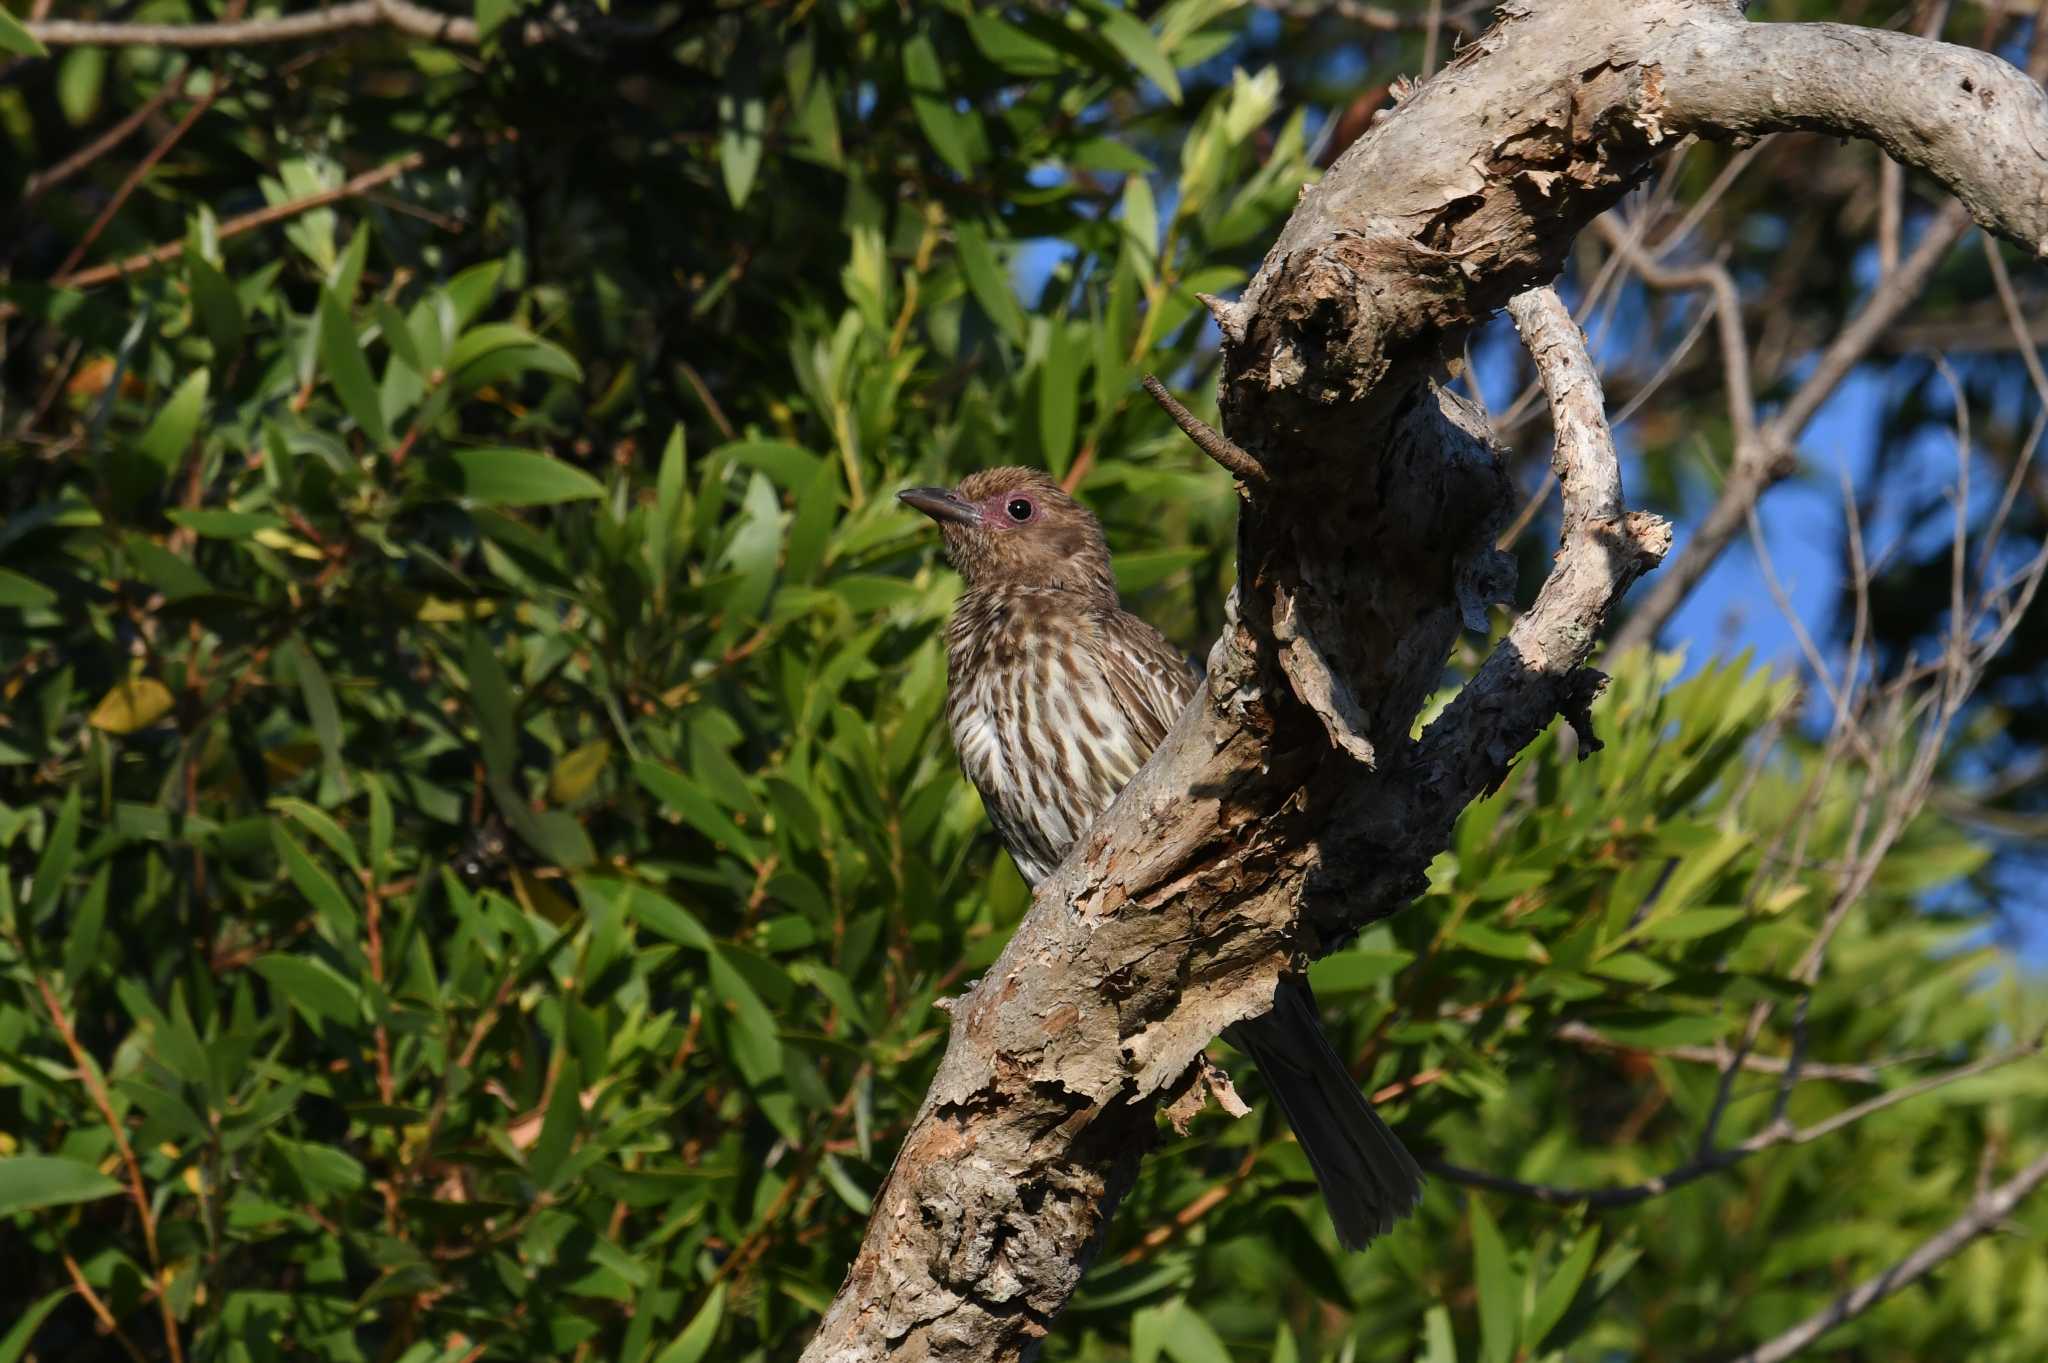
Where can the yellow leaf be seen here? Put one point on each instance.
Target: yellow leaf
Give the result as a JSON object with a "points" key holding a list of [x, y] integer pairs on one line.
{"points": [[578, 771], [435, 611], [133, 704], [287, 544]]}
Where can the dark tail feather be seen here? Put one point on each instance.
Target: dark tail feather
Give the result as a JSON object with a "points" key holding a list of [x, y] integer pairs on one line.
{"points": [[1369, 1181]]}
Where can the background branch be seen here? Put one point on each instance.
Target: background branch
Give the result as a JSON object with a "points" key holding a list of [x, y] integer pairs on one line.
{"points": [[1982, 1217]]}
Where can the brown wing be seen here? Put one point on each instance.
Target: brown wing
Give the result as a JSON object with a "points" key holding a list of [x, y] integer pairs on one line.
{"points": [[1150, 679]]}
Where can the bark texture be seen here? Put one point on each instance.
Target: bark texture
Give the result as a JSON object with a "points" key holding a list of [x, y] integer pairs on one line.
{"points": [[1290, 805]]}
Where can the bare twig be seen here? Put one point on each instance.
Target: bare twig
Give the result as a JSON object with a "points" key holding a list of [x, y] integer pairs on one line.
{"points": [[1983, 1215], [415, 21], [44, 181], [1379, 18], [96, 1089], [1769, 459], [1207, 438], [249, 222], [1778, 1132], [136, 176], [1870, 1072]]}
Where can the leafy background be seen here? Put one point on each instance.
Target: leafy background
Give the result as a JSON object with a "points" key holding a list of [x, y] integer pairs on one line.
{"points": [[481, 853]]}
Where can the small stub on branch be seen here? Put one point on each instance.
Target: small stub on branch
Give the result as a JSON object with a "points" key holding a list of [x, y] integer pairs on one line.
{"points": [[1204, 1080], [1207, 438]]}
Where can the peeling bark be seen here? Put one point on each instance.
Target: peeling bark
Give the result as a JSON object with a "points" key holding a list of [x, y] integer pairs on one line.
{"points": [[1290, 805]]}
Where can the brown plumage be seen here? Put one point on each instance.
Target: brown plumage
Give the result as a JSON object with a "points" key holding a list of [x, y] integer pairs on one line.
{"points": [[1056, 696]]}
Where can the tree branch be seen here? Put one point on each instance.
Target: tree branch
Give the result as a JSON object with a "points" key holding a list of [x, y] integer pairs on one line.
{"points": [[1770, 457], [1289, 805], [1983, 1216], [415, 21]]}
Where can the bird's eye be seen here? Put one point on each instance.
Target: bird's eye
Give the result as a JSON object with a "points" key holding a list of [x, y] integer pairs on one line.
{"points": [[1019, 509]]}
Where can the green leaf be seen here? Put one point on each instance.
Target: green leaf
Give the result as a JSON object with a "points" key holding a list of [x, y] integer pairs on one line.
{"points": [[1141, 224], [1011, 47], [16, 1341], [490, 696], [1059, 393], [666, 917], [21, 592], [322, 895], [215, 301], [1694, 923], [322, 826], [694, 1343], [313, 987], [341, 355], [170, 431], [757, 1050], [18, 40], [508, 477], [1506, 946], [689, 800], [558, 1128], [742, 121], [1556, 1296], [498, 350], [985, 276], [1187, 1338], [58, 850], [1439, 1345], [789, 467], [492, 13], [88, 923], [1137, 45], [318, 693], [1348, 971], [1500, 1290], [31, 1181], [954, 135], [81, 77]]}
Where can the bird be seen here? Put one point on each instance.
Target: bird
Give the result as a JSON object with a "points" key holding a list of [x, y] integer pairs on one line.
{"points": [[1055, 697]]}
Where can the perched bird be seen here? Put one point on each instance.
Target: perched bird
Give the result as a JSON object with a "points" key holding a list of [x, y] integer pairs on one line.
{"points": [[1056, 695]]}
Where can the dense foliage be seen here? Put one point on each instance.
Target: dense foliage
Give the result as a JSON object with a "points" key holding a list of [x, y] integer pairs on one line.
{"points": [[481, 855]]}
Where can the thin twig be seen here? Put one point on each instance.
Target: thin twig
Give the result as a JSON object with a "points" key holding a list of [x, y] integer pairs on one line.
{"points": [[89, 1076], [1713, 1162], [1983, 1215], [108, 1325], [249, 222], [41, 184], [415, 21], [1769, 459], [136, 176], [1871, 1072], [1207, 438]]}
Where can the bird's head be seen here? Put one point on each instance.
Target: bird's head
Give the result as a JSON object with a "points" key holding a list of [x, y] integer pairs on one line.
{"points": [[1017, 527]]}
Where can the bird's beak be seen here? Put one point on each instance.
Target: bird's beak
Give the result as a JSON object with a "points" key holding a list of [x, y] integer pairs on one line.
{"points": [[941, 504]]}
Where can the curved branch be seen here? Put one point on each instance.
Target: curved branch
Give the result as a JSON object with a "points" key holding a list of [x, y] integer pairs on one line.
{"points": [[1971, 120], [1290, 804]]}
